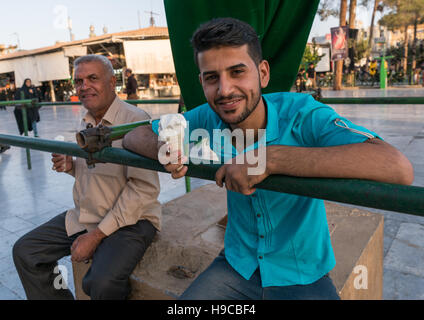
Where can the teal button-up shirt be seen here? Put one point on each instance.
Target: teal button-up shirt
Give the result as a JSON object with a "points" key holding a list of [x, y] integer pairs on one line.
{"points": [[285, 235]]}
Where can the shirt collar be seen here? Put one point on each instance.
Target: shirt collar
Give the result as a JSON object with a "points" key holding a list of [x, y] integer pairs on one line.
{"points": [[108, 118]]}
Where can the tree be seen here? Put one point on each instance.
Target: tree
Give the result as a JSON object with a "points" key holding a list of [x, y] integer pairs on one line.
{"points": [[362, 50], [377, 6], [402, 15], [310, 55], [337, 85], [415, 8], [328, 8]]}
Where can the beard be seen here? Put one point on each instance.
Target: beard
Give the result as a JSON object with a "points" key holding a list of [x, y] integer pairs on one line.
{"points": [[256, 98]]}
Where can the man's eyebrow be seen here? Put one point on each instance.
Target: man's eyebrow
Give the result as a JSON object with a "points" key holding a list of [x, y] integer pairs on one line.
{"points": [[89, 76], [240, 65]]}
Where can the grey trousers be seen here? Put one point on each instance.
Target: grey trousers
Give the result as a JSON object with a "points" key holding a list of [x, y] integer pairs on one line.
{"points": [[36, 254]]}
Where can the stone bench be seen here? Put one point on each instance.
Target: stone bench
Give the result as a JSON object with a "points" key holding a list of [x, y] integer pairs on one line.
{"points": [[193, 235]]}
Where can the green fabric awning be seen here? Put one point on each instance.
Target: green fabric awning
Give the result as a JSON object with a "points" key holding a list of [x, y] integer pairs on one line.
{"points": [[282, 25]]}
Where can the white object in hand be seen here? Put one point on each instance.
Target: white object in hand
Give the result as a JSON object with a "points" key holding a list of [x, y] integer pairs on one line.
{"points": [[171, 130], [202, 151]]}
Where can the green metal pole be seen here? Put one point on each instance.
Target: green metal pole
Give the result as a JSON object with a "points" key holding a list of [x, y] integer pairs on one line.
{"points": [[400, 198], [374, 100], [383, 74], [120, 131], [153, 101], [186, 151], [25, 123], [327, 100], [332, 100], [14, 102]]}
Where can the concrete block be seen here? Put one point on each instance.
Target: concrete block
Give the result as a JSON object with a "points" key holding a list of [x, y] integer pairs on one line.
{"points": [[193, 235], [357, 239]]}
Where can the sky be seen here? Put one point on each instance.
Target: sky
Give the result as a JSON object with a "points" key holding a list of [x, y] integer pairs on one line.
{"points": [[43, 22]]}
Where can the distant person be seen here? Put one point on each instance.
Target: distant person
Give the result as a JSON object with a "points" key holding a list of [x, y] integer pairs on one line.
{"points": [[300, 80], [131, 85], [10, 92], [3, 97], [311, 75], [373, 70], [27, 92]]}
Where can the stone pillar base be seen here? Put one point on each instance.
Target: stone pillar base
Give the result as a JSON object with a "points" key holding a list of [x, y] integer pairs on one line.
{"points": [[193, 235]]}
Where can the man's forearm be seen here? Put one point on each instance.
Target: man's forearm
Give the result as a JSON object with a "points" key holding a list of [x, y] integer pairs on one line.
{"points": [[371, 160], [142, 140]]}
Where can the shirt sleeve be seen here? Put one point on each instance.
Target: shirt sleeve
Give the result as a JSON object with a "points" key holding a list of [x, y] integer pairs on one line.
{"points": [[321, 126], [72, 171]]}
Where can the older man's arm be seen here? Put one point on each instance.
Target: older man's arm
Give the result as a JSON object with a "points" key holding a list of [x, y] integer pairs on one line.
{"points": [[142, 140]]}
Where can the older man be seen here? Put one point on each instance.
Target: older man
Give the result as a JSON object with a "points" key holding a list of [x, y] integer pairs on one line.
{"points": [[116, 212]]}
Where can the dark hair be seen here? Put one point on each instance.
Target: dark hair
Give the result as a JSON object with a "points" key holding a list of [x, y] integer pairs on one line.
{"points": [[226, 32], [24, 84]]}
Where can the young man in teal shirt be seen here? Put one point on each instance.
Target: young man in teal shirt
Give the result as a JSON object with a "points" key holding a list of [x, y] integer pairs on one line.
{"points": [[277, 246]]}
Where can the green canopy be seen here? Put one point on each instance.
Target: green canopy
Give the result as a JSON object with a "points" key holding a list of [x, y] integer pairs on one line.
{"points": [[283, 27]]}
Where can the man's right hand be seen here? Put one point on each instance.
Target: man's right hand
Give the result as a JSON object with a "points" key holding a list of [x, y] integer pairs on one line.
{"points": [[173, 161], [61, 163]]}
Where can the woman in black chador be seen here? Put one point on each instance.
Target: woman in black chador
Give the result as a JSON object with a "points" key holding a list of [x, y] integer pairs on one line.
{"points": [[27, 91]]}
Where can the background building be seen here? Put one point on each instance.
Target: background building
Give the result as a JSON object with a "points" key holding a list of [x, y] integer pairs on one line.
{"points": [[146, 51]]}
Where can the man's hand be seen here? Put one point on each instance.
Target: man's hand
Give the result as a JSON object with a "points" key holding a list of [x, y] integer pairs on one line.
{"points": [[85, 245], [172, 160], [61, 163], [241, 174]]}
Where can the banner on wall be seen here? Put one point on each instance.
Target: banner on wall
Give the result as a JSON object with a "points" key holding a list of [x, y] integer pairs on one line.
{"points": [[339, 43]]}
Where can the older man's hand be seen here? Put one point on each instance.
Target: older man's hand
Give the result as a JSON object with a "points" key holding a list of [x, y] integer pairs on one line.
{"points": [[61, 163], [85, 245]]}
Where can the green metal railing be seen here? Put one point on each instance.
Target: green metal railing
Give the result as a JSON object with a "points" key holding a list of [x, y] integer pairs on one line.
{"points": [[393, 197], [14, 102], [373, 100], [118, 131], [372, 194], [150, 101]]}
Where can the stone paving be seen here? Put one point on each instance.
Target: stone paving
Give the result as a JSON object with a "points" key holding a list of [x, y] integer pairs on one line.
{"points": [[28, 198]]}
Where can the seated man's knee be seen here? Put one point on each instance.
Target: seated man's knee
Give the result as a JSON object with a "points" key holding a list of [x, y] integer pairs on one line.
{"points": [[105, 287], [20, 249]]}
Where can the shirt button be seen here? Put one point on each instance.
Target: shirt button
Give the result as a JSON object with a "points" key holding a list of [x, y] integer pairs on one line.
{"points": [[258, 215], [261, 236], [260, 257]]}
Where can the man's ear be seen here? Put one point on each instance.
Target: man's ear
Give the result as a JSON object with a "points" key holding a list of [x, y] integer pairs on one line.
{"points": [[113, 82], [200, 79], [264, 73]]}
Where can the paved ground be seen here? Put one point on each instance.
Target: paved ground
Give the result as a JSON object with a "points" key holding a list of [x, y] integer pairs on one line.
{"points": [[29, 198]]}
